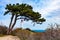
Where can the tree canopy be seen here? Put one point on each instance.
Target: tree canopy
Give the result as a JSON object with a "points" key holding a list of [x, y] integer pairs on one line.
{"points": [[23, 11]]}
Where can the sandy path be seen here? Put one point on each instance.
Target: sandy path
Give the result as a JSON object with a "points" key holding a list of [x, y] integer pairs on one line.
{"points": [[9, 37]]}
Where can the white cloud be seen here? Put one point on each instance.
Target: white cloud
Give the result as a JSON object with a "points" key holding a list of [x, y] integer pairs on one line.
{"points": [[54, 4]]}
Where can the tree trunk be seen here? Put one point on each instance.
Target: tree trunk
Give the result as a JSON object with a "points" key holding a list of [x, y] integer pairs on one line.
{"points": [[10, 24], [13, 24]]}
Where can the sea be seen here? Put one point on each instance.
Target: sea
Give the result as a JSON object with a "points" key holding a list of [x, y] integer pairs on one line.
{"points": [[38, 30]]}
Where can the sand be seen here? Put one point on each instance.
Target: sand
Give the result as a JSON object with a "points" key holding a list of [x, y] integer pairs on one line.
{"points": [[9, 37]]}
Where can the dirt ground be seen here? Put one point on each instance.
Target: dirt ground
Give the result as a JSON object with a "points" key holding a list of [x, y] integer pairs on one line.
{"points": [[9, 37]]}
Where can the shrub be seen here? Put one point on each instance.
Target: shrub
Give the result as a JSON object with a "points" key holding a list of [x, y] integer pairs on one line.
{"points": [[28, 29], [3, 30]]}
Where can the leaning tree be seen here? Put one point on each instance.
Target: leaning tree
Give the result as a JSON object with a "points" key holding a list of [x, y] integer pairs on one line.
{"points": [[22, 11]]}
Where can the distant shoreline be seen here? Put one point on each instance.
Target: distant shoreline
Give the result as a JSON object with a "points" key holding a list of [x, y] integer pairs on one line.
{"points": [[38, 30]]}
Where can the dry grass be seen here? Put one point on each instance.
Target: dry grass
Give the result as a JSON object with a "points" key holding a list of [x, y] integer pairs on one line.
{"points": [[52, 33]]}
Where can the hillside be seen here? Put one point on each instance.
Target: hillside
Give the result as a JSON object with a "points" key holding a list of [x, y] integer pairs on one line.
{"points": [[27, 34]]}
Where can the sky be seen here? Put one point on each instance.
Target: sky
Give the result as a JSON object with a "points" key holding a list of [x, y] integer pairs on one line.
{"points": [[49, 9]]}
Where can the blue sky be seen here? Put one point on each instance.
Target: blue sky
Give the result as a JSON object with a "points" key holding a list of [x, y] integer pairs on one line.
{"points": [[50, 10]]}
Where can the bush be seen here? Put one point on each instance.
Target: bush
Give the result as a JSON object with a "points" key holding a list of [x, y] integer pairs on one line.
{"points": [[28, 29], [15, 31], [53, 33], [21, 33], [3, 30]]}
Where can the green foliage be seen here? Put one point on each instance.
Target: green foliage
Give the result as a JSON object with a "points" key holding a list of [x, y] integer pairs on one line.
{"points": [[24, 11]]}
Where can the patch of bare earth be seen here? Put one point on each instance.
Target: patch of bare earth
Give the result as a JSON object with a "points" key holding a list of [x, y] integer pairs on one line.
{"points": [[9, 37]]}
